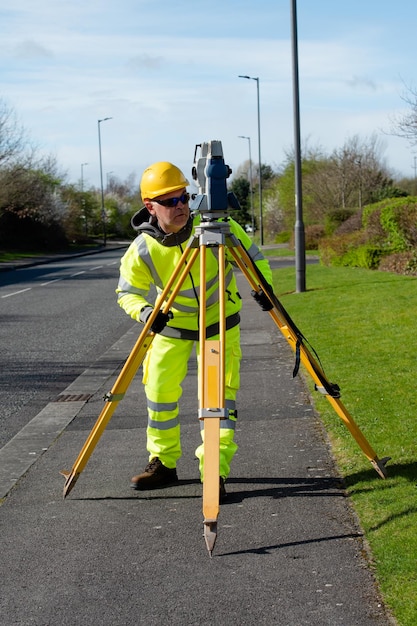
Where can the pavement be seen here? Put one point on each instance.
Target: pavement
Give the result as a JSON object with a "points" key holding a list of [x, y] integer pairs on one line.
{"points": [[289, 551]]}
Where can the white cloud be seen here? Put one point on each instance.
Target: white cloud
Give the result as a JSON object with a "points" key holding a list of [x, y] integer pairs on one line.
{"points": [[30, 50]]}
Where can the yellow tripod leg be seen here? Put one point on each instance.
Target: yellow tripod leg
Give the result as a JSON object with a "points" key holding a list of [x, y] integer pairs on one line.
{"points": [[312, 366], [112, 399], [212, 400], [129, 369], [377, 463]]}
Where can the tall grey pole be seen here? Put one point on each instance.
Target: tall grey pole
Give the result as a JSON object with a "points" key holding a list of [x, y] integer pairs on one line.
{"points": [[261, 226], [261, 223], [299, 234], [103, 213], [250, 184]]}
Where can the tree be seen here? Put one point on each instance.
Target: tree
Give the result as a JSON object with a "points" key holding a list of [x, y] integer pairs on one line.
{"points": [[283, 190], [241, 188], [81, 210], [339, 183], [406, 125], [13, 139], [31, 210]]}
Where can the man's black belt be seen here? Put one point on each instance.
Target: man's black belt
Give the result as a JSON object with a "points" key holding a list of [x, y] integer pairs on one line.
{"points": [[194, 335]]}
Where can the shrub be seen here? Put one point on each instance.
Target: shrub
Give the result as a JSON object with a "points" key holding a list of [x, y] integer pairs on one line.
{"points": [[283, 237], [351, 225], [392, 223], [400, 263], [367, 256], [350, 250], [313, 235], [26, 233], [386, 238], [334, 219], [332, 250], [407, 221]]}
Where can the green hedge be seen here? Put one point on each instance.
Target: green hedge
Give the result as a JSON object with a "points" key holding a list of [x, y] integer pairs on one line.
{"points": [[393, 223], [388, 227]]}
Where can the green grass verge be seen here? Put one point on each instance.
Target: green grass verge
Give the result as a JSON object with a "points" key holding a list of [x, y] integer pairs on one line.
{"points": [[13, 256], [269, 252], [363, 326], [16, 255]]}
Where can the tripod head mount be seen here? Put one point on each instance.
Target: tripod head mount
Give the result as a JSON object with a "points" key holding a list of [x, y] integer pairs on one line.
{"points": [[210, 171]]}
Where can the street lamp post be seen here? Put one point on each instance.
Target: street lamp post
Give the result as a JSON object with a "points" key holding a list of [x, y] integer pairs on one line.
{"points": [[250, 184], [299, 234], [261, 228], [82, 198], [103, 213]]}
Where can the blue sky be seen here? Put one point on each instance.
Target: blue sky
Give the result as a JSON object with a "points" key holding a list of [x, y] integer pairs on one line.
{"points": [[167, 74]]}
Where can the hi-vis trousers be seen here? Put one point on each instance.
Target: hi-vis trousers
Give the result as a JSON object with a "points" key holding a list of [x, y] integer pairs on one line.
{"points": [[164, 369]]}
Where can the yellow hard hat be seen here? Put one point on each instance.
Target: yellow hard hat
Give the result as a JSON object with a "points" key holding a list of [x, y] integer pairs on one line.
{"points": [[161, 178]]}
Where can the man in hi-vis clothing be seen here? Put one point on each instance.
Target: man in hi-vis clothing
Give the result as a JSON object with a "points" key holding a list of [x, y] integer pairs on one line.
{"points": [[164, 226]]}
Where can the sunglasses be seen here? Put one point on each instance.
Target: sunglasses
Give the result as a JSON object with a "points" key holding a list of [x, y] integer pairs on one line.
{"points": [[171, 202]]}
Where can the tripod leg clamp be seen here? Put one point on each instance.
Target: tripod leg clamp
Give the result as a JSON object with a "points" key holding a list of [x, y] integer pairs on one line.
{"points": [[262, 299], [223, 414], [113, 397]]}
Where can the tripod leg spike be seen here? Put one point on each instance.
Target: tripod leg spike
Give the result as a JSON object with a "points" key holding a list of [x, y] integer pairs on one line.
{"points": [[210, 535], [379, 465], [70, 480]]}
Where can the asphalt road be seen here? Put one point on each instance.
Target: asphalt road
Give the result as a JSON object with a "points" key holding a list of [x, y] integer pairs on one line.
{"points": [[55, 319]]}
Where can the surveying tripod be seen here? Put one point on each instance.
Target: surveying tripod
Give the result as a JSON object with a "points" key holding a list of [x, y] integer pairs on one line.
{"points": [[212, 203]]}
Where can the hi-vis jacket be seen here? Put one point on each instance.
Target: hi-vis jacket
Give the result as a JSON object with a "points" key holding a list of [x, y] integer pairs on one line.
{"points": [[152, 257]]}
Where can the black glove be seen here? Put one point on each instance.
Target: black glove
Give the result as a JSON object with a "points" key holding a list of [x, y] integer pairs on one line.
{"points": [[262, 299], [161, 321]]}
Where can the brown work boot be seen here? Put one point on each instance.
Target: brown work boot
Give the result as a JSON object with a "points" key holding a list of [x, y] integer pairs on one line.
{"points": [[154, 476]]}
